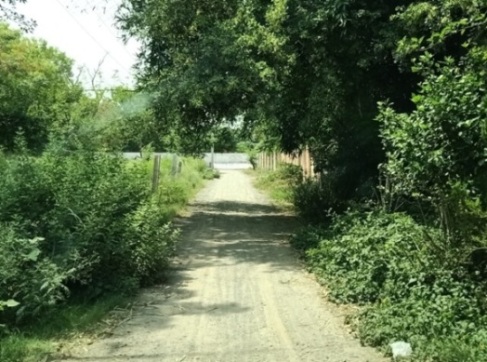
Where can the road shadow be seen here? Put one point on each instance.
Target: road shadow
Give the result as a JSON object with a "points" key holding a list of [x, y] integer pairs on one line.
{"points": [[216, 234], [235, 207], [236, 232]]}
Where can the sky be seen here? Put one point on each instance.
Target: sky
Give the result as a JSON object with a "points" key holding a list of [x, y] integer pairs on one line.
{"points": [[86, 34]]}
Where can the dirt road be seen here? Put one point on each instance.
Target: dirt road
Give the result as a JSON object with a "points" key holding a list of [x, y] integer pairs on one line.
{"points": [[237, 293]]}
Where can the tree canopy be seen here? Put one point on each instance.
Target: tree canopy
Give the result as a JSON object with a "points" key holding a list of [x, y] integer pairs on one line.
{"points": [[309, 73]]}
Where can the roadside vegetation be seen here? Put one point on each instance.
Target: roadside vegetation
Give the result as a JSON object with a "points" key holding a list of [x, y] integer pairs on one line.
{"points": [[80, 233], [279, 184], [390, 97], [81, 228], [410, 281], [397, 214]]}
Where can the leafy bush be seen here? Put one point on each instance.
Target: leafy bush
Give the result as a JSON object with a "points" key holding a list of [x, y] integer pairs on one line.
{"points": [[152, 241], [437, 153], [444, 319], [175, 190], [358, 255], [28, 278], [307, 238], [412, 286], [315, 201], [292, 173], [211, 174], [84, 223]]}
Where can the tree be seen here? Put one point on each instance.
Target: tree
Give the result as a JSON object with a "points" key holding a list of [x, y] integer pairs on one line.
{"points": [[196, 60], [8, 12], [36, 91], [436, 154], [309, 72]]}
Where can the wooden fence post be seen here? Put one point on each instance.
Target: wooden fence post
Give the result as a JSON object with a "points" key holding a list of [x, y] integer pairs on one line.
{"points": [[156, 173]]}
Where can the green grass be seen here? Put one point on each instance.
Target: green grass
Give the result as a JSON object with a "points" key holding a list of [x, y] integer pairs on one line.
{"points": [[174, 192], [53, 332], [279, 184]]}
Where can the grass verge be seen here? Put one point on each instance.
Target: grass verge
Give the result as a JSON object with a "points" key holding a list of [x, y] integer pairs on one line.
{"points": [[53, 334], [279, 184]]}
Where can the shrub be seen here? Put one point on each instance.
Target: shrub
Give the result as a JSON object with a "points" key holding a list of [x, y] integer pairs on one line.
{"points": [[152, 240], [307, 238], [436, 154], [355, 258], [29, 280], [315, 202], [413, 286], [84, 223]]}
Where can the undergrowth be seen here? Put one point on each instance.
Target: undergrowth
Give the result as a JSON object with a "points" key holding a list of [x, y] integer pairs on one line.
{"points": [[80, 225], [410, 281], [279, 183], [60, 328], [409, 285]]}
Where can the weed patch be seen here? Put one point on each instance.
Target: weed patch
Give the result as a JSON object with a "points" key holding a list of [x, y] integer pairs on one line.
{"points": [[279, 184], [410, 286], [60, 328]]}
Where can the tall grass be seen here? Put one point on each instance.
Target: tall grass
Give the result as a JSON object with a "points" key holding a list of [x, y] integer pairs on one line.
{"points": [[279, 184]]}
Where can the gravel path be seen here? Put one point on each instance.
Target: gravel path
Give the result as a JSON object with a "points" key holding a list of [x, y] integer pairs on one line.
{"points": [[237, 293]]}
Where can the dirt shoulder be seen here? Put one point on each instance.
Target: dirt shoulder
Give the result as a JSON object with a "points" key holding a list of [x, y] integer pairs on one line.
{"points": [[236, 293]]}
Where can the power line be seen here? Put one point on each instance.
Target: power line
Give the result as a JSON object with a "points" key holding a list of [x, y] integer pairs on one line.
{"points": [[90, 35], [111, 32]]}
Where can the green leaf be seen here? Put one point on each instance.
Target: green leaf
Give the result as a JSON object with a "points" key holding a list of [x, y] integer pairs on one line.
{"points": [[33, 255], [11, 303]]}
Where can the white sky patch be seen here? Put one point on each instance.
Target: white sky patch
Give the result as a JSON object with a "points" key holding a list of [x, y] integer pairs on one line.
{"points": [[88, 35]]}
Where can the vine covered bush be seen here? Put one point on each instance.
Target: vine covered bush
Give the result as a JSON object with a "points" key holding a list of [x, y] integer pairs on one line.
{"points": [[410, 285]]}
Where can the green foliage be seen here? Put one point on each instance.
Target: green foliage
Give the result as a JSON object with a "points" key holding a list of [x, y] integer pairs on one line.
{"points": [[225, 139], [437, 154], [251, 150], [280, 183], [39, 98], [16, 349], [36, 92], [175, 190], [301, 73], [412, 286], [307, 238], [362, 260], [84, 223], [441, 28], [29, 280], [53, 329], [211, 174], [311, 73], [316, 201], [152, 241], [193, 63]]}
